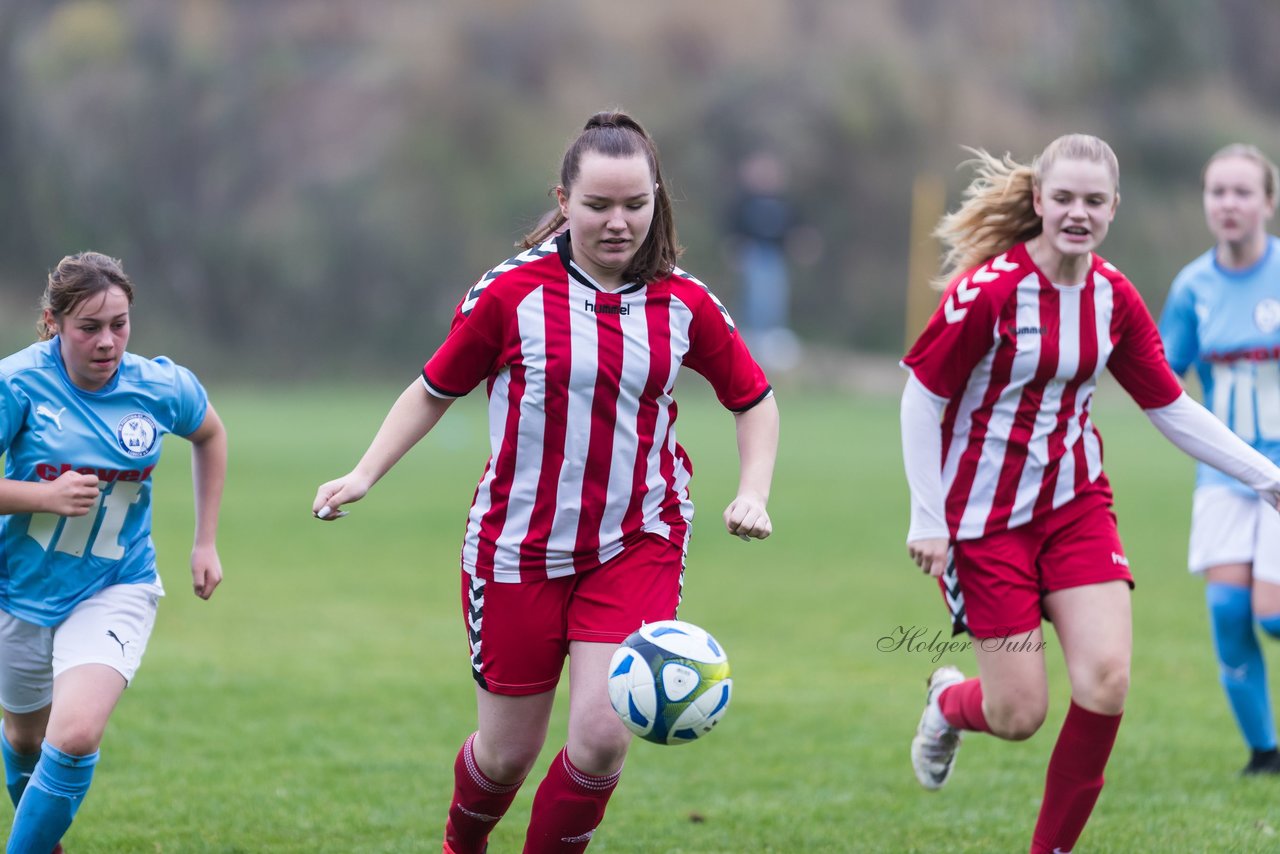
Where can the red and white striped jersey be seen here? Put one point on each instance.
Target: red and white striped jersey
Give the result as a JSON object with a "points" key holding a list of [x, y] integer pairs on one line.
{"points": [[1016, 358], [581, 414]]}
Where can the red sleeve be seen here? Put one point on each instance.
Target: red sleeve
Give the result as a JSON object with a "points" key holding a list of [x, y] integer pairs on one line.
{"points": [[717, 351], [471, 350], [1137, 361], [957, 337]]}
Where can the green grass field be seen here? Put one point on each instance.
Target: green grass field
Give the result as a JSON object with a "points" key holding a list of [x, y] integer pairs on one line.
{"points": [[317, 702]]}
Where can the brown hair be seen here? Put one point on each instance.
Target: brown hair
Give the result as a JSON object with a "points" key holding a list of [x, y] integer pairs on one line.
{"points": [[998, 211], [77, 278], [616, 134], [1248, 152]]}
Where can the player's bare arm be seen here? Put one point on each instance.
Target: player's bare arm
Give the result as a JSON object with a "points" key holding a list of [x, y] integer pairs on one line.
{"points": [[71, 494], [208, 475], [410, 418], [757, 430]]}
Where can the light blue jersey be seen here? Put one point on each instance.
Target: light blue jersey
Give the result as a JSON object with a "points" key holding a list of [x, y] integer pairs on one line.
{"points": [[1226, 325], [50, 563]]}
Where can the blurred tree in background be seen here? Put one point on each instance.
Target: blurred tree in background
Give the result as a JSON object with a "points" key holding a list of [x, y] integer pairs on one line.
{"points": [[305, 188]]}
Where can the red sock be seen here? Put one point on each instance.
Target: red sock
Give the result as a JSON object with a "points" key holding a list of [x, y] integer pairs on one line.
{"points": [[478, 803], [567, 809], [1075, 779], [961, 705]]}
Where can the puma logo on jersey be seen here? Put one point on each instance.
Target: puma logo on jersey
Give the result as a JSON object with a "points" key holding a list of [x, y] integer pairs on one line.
{"points": [[956, 306], [55, 417]]}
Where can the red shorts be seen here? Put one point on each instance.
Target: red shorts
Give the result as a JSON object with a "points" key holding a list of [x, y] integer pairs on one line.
{"points": [[1004, 576], [519, 633]]}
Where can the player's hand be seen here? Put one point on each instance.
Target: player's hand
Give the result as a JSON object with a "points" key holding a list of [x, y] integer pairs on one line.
{"points": [[930, 554], [332, 495], [747, 518], [206, 570], [72, 494]]}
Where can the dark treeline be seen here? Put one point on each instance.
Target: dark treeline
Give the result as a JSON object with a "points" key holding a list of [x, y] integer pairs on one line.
{"points": [[302, 188]]}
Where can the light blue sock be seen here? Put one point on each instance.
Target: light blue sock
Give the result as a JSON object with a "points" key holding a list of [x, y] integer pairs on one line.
{"points": [[17, 767], [1240, 664], [57, 787], [1270, 625]]}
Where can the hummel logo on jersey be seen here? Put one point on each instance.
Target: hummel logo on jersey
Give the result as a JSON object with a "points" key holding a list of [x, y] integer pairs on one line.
{"points": [[115, 637], [588, 305], [55, 417], [1029, 330]]}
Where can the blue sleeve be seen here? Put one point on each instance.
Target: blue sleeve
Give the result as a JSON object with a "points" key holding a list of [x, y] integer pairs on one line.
{"points": [[1179, 328], [189, 401], [13, 413]]}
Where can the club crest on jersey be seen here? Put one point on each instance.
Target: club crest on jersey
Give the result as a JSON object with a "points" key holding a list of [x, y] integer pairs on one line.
{"points": [[1266, 314], [137, 434]]}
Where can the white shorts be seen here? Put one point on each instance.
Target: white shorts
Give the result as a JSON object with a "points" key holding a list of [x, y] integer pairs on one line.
{"points": [[1228, 526], [111, 627]]}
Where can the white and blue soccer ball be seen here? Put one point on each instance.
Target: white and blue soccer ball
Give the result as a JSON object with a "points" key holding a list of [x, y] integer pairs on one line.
{"points": [[669, 682]]}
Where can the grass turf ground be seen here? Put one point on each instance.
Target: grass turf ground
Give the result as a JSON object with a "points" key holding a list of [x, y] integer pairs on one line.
{"points": [[317, 702]]}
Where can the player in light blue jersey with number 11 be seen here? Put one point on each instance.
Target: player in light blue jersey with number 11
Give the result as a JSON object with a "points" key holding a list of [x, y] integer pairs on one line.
{"points": [[81, 422], [1222, 318]]}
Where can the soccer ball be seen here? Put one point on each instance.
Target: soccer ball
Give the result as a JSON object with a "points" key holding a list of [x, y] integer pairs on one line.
{"points": [[669, 682]]}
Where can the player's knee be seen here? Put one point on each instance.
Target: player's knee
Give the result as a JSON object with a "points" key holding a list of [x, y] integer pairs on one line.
{"points": [[1104, 688], [599, 749], [23, 738], [1113, 686], [1015, 721], [77, 738], [509, 766]]}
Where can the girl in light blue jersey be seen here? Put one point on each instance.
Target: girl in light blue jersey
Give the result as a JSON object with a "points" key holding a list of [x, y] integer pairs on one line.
{"points": [[1222, 318], [81, 422]]}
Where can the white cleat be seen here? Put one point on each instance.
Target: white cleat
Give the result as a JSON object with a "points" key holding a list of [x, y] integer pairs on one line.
{"points": [[933, 750]]}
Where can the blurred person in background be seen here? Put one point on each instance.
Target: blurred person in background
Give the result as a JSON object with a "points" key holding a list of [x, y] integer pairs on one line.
{"points": [[81, 424], [1010, 508], [1222, 319], [580, 524], [762, 225]]}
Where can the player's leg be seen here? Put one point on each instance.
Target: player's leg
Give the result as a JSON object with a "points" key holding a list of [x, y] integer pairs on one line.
{"points": [[517, 647], [998, 585], [1265, 571], [83, 699], [1094, 626], [1008, 699], [571, 800], [1229, 530], [493, 764], [26, 690], [1241, 667], [96, 652], [641, 585], [20, 738]]}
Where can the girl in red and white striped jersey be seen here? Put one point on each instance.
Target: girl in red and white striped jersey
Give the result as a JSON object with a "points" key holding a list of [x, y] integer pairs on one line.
{"points": [[1009, 504], [578, 530]]}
